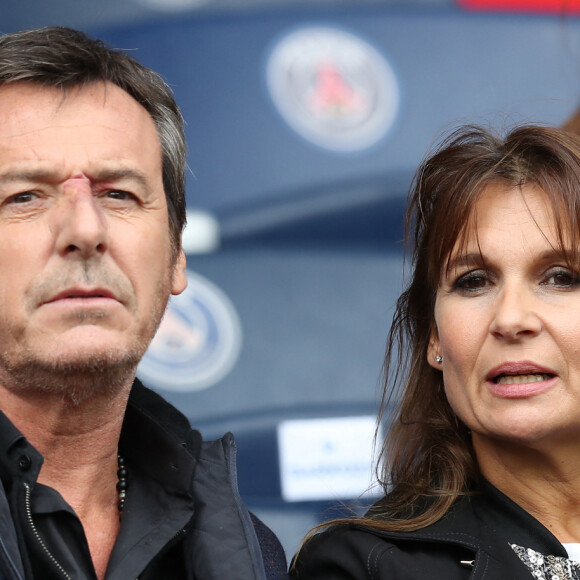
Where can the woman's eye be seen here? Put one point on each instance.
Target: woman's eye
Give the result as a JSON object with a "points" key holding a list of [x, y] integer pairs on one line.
{"points": [[563, 279], [471, 281]]}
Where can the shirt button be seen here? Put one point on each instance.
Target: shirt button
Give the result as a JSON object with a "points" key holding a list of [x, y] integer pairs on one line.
{"points": [[24, 463]]}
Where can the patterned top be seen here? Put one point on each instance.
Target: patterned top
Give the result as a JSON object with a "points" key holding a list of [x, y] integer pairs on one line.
{"points": [[548, 567]]}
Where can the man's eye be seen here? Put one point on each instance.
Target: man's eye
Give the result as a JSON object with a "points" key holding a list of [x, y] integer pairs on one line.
{"points": [[120, 195], [24, 197]]}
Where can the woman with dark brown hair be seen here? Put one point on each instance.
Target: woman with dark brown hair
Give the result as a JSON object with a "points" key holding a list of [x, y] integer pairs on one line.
{"points": [[481, 461]]}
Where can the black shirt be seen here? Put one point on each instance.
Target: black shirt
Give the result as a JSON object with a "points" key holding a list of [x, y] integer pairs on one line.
{"points": [[157, 509]]}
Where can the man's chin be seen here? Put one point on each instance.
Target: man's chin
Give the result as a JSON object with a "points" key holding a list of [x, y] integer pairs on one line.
{"points": [[76, 378]]}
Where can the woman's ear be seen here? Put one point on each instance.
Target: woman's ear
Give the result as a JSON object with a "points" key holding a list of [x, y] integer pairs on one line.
{"points": [[434, 356]]}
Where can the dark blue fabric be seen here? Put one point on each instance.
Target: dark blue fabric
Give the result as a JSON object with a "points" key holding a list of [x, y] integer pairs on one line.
{"points": [[272, 551]]}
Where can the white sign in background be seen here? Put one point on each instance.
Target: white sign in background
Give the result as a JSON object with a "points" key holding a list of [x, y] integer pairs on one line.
{"points": [[326, 459]]}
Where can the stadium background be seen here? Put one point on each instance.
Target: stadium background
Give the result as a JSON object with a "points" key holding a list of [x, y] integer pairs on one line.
{"points": [[305, 121]]}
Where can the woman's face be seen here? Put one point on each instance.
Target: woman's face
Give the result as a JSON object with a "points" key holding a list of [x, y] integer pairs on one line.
{"points": [[507, 318]]}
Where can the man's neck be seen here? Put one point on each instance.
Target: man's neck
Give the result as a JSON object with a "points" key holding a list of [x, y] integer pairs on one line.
{"points": [[55, 426], [79, 444]]}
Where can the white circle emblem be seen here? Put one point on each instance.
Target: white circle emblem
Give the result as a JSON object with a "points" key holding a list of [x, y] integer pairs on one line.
{"points": [[198, 341], [333, 88]]}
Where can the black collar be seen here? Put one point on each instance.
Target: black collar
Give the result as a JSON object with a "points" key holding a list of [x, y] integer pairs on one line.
{"points": [[155, 436], [159, 439]]}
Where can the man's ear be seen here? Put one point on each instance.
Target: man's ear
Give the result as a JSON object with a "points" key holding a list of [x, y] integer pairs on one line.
{"points": [[179, 282], [434, 350]]}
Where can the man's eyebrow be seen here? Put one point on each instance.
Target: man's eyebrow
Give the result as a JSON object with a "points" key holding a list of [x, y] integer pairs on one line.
{"points": [[20, 174], [120, 174], [51, 175]]}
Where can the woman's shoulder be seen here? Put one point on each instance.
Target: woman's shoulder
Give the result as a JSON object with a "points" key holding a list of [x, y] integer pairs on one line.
{"points": [[354, 551], [341, 551]]}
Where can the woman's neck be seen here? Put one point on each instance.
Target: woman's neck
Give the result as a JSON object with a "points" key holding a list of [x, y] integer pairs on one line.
{"points": [[544, 479]]}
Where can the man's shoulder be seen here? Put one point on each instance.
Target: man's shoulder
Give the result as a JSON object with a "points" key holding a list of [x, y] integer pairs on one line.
{"points": [[223, 538]]}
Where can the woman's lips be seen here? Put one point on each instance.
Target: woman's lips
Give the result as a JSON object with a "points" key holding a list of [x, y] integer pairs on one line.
{"points": [[520, 379]]}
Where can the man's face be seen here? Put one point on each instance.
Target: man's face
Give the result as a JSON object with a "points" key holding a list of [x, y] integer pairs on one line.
{"points": [[86, 264]]}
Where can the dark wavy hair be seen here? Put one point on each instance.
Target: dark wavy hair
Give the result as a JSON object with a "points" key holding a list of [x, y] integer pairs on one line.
{"points": [[64, 58]]}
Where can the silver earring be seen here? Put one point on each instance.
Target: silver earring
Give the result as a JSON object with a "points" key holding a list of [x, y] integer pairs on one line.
{"points": [[439, 359]]}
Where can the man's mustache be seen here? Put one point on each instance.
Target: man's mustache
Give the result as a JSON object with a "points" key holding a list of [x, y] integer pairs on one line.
{"points": [[81, 279]]}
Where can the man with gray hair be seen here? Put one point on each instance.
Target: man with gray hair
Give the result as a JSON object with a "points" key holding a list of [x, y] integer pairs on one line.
{"points": [[100, 477]]}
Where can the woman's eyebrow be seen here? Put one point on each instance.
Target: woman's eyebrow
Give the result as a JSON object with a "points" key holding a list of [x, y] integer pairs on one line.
{"points": [[555, 254], [470, 259], [477, 259]]}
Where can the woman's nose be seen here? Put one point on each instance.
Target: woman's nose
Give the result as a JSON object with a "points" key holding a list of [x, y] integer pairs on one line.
{"points": [[514, 315]]}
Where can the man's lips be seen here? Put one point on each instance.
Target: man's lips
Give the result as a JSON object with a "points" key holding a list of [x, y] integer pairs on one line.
{"points": [[82, 293]]}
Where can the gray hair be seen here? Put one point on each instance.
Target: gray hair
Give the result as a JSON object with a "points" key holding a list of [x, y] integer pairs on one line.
{"points": [[64, 58]]}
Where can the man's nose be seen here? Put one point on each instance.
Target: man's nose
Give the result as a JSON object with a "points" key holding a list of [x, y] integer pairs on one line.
{"points": [[80, 222]]}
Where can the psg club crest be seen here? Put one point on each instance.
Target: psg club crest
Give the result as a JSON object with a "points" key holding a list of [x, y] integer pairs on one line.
{"points": [[333, 88], [198, 341]]}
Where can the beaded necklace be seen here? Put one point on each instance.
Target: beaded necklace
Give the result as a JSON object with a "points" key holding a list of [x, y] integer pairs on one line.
{"points": [[121, 483]]}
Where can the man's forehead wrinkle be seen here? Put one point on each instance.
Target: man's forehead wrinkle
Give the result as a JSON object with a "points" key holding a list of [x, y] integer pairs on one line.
{"points": [[66, 92], [8, 136]]}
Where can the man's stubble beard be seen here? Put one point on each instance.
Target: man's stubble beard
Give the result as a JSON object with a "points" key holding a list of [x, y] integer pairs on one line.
{"points": [[93, 376], [101, 375]]}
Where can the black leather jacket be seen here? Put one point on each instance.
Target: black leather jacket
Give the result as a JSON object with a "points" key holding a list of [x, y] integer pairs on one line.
{"points": [[471, 542]]}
